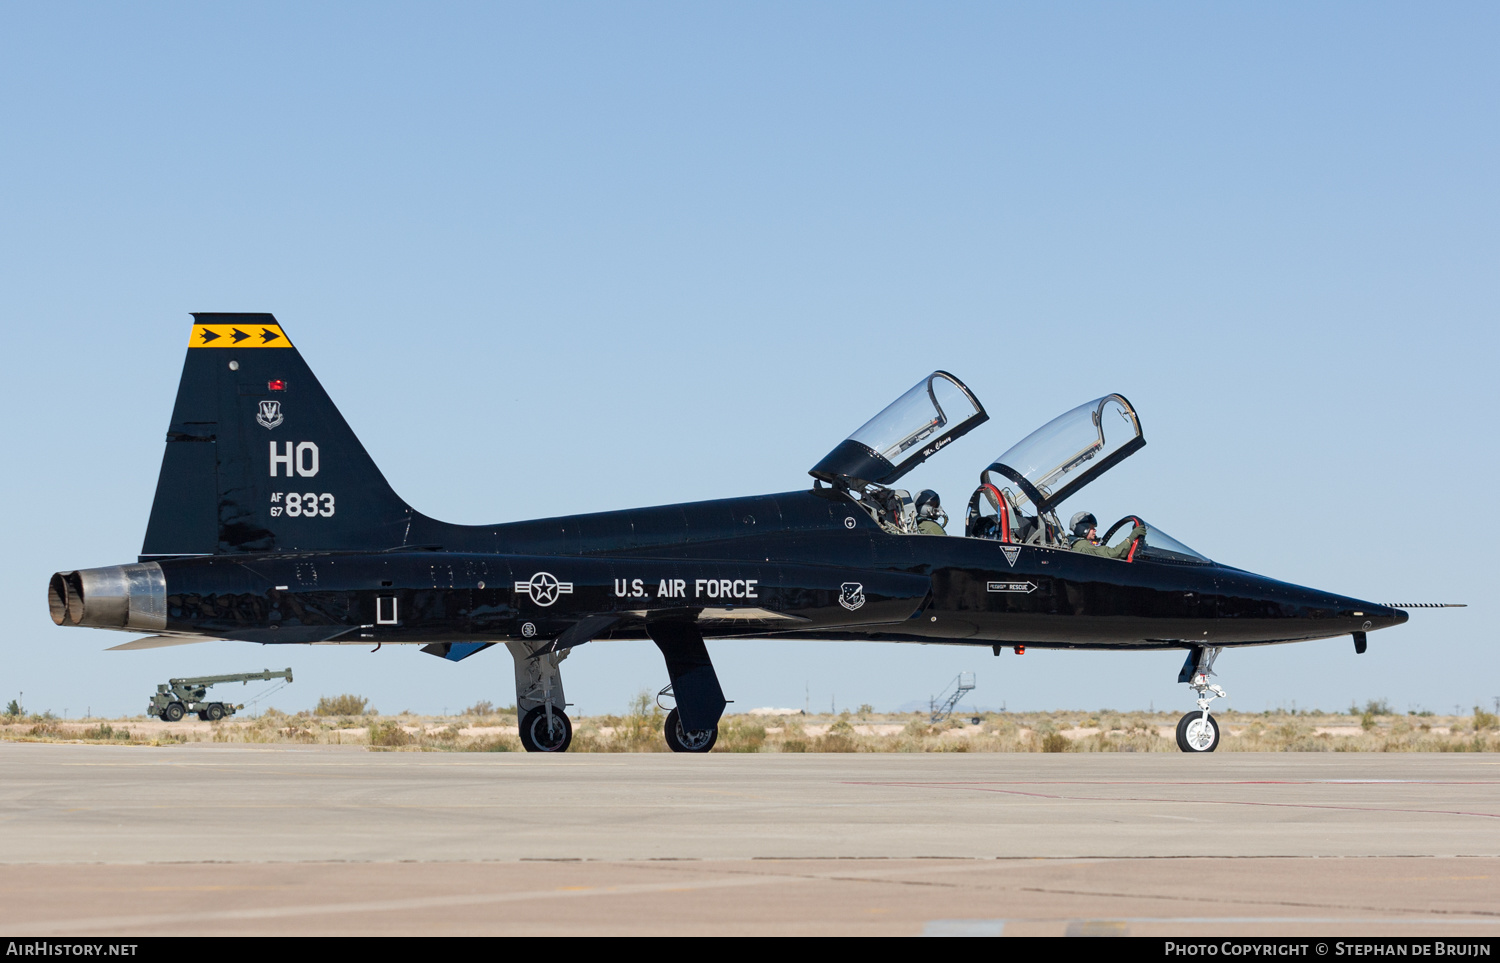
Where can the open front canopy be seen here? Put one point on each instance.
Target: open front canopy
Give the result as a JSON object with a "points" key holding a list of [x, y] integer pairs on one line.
{"points": [[1069, 451], [938, 409]]}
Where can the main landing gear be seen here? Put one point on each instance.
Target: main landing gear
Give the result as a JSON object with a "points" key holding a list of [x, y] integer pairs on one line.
{"points": [[693, 724], [545, 727], [688, 740], [1199, 731]]}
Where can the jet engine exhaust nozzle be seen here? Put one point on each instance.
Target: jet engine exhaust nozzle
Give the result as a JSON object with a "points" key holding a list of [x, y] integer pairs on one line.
{"points": [[128, 597]]}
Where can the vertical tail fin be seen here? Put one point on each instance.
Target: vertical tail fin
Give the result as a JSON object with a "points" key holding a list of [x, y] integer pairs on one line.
{"points": [[258, 459]]}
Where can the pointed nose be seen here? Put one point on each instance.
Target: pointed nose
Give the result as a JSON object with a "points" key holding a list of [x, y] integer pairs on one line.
{"points": [[1368, 616]]}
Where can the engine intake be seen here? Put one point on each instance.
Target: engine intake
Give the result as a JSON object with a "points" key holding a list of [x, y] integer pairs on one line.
{"points": [[128, 597]]}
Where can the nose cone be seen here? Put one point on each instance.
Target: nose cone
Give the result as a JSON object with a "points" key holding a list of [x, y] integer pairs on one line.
{"points": [[1368, 616], [1255, 608]]}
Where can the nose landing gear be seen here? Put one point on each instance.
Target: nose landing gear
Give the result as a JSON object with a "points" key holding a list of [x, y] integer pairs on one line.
{"points": [[1199, 731]]}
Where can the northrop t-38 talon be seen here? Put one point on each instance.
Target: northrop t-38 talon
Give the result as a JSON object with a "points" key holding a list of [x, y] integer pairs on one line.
{"points": [[271, 524]]}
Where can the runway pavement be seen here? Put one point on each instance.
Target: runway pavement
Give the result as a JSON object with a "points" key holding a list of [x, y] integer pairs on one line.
{"points": [[236, 839]]}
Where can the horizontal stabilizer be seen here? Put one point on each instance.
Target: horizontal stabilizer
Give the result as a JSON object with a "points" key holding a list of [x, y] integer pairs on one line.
{"points": [[158, 642]]}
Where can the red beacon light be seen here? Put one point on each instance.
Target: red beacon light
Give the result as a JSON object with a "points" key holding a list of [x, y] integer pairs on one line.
{"points": [[276, 385]]}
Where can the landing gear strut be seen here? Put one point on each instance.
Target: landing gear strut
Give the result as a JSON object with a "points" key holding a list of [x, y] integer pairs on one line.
{"points": [[1199, 731]]}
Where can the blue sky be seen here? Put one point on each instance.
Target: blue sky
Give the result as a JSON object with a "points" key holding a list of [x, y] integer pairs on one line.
{"points": [[552, 258]]}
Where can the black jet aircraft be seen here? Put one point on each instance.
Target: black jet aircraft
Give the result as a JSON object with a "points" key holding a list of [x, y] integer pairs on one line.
{"points": [[271, 524]]}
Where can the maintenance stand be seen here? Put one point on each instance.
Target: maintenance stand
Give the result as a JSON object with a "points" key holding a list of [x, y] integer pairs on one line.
{"points": [[942, 706]]}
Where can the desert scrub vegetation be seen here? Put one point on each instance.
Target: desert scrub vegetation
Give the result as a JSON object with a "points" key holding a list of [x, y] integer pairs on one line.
{"points": [[483, 727], [344, 705], [638, 730], [739, 734]]}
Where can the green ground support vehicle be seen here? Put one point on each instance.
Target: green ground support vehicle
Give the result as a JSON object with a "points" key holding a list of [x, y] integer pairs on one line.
{"points": [[180, 696]]}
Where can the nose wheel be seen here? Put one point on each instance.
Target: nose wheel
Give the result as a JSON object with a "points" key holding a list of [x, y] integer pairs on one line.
{"points": [[1199, 731], [688, 740]]}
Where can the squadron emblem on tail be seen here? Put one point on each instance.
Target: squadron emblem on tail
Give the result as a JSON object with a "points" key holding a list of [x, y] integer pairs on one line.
{"points": [[269, 415]]}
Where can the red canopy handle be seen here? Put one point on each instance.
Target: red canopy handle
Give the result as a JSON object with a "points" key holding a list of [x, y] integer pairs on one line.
{"points": [[1001, 509]]}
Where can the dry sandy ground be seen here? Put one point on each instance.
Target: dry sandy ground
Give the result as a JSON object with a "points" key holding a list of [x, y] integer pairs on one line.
{"points": [[1449, 898], [238, 839]]}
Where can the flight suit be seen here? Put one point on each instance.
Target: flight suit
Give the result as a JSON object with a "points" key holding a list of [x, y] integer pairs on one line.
{"points": [[928, 526], [1119, 551]]}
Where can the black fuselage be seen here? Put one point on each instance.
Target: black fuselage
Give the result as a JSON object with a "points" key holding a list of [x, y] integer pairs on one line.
{"points": [[777, 565]]}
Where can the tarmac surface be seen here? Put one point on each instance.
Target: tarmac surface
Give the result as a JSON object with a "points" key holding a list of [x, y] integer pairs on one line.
{"points": [[101, 840]]}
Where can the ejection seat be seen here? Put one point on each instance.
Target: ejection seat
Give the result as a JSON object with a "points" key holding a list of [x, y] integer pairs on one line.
{"points": [[1007, 523]]}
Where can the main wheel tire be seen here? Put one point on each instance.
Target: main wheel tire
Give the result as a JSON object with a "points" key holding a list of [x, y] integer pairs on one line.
{"points": [[215, 712], [1194, 734], [173, 712], [536, 738], [688, 740]]}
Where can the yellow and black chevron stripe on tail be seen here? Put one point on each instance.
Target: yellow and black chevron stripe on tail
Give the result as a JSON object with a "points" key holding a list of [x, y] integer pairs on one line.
{"points": [[238, 336]]}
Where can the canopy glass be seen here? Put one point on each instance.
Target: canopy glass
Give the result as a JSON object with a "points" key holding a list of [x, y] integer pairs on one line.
{"points": [[1068, 452], [936, 410]]}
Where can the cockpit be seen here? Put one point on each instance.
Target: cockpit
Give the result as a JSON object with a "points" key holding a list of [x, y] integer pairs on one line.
{"points": [[1019, 492]]}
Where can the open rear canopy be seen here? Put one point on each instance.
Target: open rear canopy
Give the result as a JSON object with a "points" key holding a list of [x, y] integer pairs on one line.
{"points": [[938, 409]]}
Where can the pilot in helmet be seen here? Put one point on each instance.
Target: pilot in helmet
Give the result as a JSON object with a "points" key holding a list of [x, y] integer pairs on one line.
{"points": [[1085, 528], [929, 511]]}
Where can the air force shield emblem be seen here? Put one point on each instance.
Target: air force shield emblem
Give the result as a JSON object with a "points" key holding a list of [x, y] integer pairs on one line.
{"points": [[852, 595], [270, 414]]}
